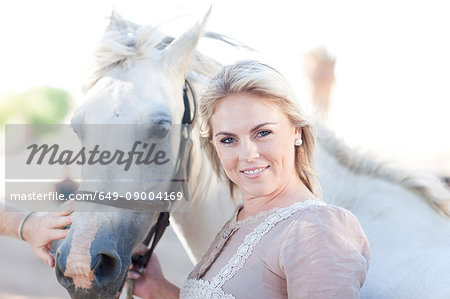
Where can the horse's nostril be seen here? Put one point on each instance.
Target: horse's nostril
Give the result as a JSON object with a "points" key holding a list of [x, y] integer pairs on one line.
{"points": [[106, 269]]}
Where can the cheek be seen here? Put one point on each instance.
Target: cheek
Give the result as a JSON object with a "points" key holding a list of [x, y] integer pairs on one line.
{"points": [[289, 153], [281, 150], [226, 158]]}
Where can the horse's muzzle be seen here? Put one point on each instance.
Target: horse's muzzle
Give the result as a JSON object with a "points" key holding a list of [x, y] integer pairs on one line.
{"points": [[101, 277]]}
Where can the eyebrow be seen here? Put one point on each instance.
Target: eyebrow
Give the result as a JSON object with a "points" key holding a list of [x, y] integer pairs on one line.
{"points": [[252, 130]]}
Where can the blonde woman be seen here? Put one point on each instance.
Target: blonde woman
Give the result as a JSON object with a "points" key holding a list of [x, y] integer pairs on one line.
{"points": [[284, 241]]}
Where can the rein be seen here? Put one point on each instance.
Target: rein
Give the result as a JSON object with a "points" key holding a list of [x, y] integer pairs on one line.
{"points": [[182, 169]]}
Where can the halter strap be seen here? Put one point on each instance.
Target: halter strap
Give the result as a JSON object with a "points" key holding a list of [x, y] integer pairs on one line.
{"points": [[187, 107], [182, 167]]}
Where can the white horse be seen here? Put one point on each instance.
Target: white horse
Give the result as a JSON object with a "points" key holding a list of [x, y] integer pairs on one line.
{"points": [[138, 76]]}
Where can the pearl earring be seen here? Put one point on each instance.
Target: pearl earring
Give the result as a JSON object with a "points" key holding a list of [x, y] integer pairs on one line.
{"points": [[298, 142]]}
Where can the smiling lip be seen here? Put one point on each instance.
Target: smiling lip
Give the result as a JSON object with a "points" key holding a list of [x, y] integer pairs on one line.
{"points": [[254, 172]]}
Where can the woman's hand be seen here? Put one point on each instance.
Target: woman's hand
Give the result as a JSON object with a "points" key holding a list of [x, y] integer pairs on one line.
{"points": [[41, 229], [151, 283]]}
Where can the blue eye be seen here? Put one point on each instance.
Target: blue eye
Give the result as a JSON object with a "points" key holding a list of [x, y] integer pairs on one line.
{"points": [[227, 140], [264, 133]]}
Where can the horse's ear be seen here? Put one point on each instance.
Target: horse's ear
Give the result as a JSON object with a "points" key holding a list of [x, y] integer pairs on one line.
{"points": [[179, 53], [117, 23]]}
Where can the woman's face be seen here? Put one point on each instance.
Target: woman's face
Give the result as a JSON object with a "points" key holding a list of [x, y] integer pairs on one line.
{"points": [[255, 143]]}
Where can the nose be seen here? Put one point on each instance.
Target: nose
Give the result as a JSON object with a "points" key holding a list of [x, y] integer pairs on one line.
{"points": [[103, 271], [248, 151]]}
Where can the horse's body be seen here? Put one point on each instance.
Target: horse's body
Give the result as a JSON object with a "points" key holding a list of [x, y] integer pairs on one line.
{"points": [[138, 80]]}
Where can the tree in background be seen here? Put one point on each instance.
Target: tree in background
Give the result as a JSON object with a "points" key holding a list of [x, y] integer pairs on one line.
{"points": [[38, 105]]}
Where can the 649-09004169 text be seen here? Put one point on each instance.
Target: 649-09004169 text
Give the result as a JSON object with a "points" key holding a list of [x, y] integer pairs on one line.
{"points": [[55, 196]]}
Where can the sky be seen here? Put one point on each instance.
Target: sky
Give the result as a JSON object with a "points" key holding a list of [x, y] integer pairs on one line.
{"points": [[392, 71]]}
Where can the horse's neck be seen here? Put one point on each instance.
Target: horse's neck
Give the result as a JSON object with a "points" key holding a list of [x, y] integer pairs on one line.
{"points": [[198, 220], [385, 208]]}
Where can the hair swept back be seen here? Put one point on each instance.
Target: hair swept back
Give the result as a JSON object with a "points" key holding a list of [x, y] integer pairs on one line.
{"points": [[253, 77]]}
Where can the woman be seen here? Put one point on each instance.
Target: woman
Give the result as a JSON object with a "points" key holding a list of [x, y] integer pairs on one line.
{"points": [[284, 242], [39, 230]]}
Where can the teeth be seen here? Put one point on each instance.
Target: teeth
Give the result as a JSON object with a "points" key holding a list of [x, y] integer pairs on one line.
{"points": [[254, 171]]}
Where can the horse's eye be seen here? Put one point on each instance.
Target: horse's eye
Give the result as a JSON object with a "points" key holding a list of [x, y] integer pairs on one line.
{"points": [[158, 131]]}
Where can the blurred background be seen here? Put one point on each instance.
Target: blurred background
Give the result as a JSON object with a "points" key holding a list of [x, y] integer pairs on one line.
{"points": [[377, 73]]}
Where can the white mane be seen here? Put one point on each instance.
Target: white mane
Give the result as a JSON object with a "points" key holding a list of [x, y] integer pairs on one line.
{"points": [[427, 186]]}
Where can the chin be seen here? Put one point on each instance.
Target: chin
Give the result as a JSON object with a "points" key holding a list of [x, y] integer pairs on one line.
{"points": [[259, 191]]}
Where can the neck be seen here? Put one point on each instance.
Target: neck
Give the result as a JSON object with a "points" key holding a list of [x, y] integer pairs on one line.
{"points": [[293, 191]]}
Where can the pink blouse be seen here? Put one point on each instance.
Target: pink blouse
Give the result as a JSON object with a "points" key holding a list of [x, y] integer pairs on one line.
{"points": [[306, 250]]}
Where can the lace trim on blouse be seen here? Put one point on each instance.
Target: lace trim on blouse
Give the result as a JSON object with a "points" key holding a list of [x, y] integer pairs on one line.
{"points": [[199, 288], [252, 218]]}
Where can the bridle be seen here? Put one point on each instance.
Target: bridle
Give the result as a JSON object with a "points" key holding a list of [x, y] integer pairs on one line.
{"points": [[182, 170]]}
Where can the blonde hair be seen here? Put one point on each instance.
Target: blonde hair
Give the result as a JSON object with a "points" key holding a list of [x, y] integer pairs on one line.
{"points": [[259, 79]]}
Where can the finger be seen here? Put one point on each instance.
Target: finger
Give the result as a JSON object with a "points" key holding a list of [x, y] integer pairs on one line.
{"points": [[51, 262], [44, 255], [141, 249], [61, 222], [66, 208], [133, 274], [134, 268], [58, 234]]}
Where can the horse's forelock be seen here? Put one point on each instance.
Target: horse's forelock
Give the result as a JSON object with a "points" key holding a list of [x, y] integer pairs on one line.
{"points": [[121, 48], [125, 42]]}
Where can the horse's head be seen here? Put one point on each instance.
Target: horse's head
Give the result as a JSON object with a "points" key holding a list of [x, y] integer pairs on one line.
{"points": [[135, 94]]}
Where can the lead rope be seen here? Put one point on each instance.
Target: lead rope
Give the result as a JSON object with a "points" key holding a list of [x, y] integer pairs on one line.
{"points": [[155, 233], [158, 229], [130, 288]]}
